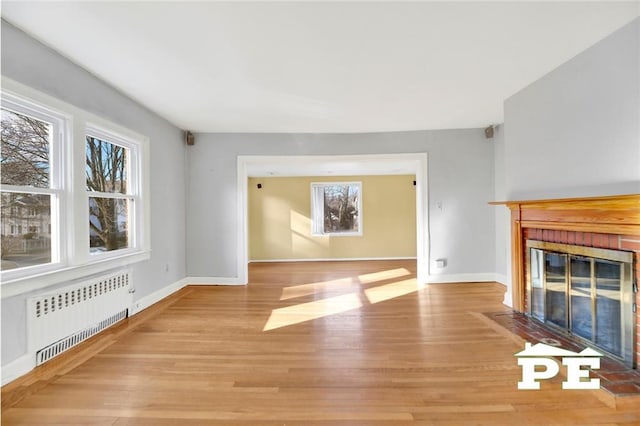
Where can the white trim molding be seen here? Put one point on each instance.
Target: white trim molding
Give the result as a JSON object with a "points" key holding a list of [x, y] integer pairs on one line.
{"points": [[502, 279], [18, 367], [508, 298], [155, 297], [328, 259], [214, 281], [462, 278]]}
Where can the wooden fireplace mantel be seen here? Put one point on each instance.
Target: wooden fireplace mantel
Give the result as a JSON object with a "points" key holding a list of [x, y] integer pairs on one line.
{"points": [[617, 214]]}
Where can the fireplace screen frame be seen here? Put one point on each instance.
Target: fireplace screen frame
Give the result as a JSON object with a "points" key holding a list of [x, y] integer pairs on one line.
{"points": [[627, 292]]}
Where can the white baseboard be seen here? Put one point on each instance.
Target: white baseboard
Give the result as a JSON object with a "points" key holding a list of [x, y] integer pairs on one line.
{"points": [[508, 298], [213, 281], [328, 259], [461, 278], [502, 279], [150, 299], [18, 367]]}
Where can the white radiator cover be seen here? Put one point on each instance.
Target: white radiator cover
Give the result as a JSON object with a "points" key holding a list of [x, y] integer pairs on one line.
{"points": [[60, 319]]}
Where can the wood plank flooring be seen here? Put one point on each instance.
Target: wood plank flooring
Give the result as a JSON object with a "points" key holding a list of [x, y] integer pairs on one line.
{"points": [[353, 343]]}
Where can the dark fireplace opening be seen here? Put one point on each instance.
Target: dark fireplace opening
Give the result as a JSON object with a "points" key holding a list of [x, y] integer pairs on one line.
{"points": [[585, 291]]}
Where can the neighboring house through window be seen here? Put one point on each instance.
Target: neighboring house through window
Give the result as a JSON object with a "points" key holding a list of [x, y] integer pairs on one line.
{"points": [[31, 184]]}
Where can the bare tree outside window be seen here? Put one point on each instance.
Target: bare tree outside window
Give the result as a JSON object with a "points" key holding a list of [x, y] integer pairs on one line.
{"points": [[26, 216], [106, 166], [25, 150], [340, 208], [336, 208], [106, 173]]}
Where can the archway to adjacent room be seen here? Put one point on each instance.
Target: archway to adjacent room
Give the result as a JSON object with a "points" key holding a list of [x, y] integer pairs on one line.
{"points": [[377, 164]]}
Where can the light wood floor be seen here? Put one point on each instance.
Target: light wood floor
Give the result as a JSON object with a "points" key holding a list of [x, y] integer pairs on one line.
{"points": [[353, 343]]}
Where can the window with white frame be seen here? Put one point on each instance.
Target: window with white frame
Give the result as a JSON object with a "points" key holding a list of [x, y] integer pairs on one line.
{"points": [[50, 231], [111, 184], [336, 208], [31, 185]]}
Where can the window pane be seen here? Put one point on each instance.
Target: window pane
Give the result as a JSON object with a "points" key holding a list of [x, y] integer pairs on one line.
{"points": [[25, 150], [106, 167], [108, 223], [26, 230], [341, 208]]}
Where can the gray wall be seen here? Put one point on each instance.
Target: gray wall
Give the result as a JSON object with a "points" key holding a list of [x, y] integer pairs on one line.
{"points": [[460, 176], [31, 63], [575, 132], [503, 253]]}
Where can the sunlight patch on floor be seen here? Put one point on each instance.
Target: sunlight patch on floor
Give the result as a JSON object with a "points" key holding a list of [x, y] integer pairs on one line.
{"points": [[311, 288], [383, 275], [391, 291], [302, 312]]}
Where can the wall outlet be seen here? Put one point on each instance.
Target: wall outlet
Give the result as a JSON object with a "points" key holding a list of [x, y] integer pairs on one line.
{"points": [[441, 263], [166, 267]]}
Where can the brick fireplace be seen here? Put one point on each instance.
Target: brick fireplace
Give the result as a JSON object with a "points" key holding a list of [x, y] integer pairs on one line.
{"points": [[610, 223]]}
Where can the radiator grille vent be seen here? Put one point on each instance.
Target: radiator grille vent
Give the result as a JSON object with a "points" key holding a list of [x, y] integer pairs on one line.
{"points": [[57, 348], [61, 319]]}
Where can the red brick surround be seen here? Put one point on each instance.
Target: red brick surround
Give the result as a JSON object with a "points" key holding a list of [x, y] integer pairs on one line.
{"points": [[611, 222], [587, 239]]}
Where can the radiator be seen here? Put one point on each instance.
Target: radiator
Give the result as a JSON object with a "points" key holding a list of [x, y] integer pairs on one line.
{"points": [[65, 317]]}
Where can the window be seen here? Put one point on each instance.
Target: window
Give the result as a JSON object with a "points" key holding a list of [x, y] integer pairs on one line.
{"points": [[109, 188], [30, 185], [336, 208], [73, 192], [112, 184]]}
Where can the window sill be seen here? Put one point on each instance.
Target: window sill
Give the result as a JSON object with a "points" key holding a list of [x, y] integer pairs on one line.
{"points": [[339, 234], [32, 283]]}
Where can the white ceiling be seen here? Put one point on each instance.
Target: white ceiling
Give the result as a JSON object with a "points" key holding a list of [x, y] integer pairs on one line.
{"points": [[320, 66]]}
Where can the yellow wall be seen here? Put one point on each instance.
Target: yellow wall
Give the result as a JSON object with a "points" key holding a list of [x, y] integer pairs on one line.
{"points": [[280, 224]]}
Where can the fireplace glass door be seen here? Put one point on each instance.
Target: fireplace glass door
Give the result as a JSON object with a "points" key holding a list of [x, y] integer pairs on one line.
{"points": [[581, 297], [556, 288], [608, 301], [584, 291], [536, 284]]}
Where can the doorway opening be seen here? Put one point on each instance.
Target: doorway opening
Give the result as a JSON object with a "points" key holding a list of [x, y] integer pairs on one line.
{"points": [[348, 165]]}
